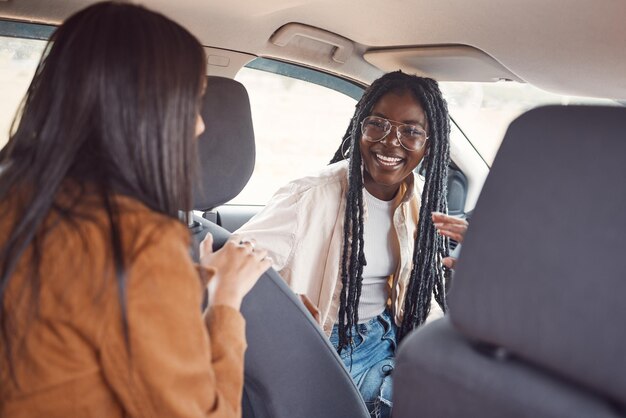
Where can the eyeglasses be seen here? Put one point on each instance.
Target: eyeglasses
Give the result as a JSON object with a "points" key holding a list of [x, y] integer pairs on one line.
{"points": [[411, 137]]}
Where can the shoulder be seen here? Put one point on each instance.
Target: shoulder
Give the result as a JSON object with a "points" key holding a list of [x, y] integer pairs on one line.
{"points": [[137, 226], [132, 211], [333, 177], [145, 224]]}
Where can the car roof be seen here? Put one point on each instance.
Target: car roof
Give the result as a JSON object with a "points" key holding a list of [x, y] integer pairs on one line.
{"points": [[566, 46]]}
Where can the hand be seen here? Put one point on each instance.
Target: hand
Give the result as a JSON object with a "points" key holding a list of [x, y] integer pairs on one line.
{"points": [[237, 266], [451, 227], [311, 308]]}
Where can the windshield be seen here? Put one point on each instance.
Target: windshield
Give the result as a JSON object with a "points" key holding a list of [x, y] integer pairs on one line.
{"points": [[484, 111]]}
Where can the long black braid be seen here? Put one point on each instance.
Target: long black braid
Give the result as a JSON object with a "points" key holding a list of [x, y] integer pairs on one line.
{"points": [[427, 272]]}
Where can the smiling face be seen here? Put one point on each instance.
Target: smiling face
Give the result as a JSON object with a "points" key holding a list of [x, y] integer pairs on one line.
{"points": [[386, 163]]}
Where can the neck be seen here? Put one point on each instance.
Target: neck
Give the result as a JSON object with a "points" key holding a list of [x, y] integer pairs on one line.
{"points": [[379, 191]]}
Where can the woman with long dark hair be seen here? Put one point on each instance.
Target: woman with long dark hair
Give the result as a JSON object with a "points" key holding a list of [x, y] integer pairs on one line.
{"points": [[357, 240], [100, 301]]}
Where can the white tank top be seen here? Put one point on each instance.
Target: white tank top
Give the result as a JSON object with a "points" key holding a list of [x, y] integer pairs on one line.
{"points": [[382, 254]]}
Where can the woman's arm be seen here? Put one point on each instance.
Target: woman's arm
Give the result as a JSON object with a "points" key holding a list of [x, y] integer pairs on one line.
{"points": [[275, 227], [171, 365]]}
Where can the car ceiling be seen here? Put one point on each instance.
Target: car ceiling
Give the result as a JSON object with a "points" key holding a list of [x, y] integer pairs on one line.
{"points": [[575, 47]]}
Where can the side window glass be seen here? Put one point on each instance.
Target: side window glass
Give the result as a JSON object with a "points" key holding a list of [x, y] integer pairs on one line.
{"points": [[18, 62], [298, 126]]}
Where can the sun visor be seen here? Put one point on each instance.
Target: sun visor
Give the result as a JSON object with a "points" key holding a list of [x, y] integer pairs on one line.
{"points": [[443, 63]]}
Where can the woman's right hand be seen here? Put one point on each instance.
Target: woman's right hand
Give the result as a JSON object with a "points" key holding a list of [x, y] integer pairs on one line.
{"points": [[237, 267]]}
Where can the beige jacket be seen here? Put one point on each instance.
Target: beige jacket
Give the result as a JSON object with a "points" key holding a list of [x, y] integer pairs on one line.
{"points": [[302, 228], [73, 360]]}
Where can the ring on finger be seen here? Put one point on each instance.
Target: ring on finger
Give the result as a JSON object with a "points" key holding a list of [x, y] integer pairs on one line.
{"points": [[245, 241]]}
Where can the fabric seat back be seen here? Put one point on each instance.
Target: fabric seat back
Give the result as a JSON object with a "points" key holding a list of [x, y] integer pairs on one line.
{"points": [[542, 275]]}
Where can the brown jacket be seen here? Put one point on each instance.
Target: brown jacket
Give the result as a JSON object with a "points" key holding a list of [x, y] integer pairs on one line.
{"points": [[71, 358]]}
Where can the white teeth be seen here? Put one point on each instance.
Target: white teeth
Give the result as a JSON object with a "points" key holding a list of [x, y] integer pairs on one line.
{"points": [[388, 160]]}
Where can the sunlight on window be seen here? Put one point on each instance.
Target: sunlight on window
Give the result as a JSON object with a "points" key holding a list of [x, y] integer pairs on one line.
{"points": [[297, 126], [18, 62], [484, 110]]}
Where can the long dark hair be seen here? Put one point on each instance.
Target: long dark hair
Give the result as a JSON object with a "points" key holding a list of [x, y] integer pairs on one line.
{"points": [[427, 273], [112, 105]]}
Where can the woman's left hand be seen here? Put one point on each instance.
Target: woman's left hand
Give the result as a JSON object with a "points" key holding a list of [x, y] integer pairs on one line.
{"points": [[451, 227]]}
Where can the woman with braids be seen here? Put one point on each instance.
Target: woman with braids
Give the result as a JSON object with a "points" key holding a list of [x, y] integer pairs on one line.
{"points": [[366, 253], [358, 242], [100, 301]]}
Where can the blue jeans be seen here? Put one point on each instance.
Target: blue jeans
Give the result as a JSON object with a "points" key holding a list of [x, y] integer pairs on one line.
{"points": [[372, 361]]}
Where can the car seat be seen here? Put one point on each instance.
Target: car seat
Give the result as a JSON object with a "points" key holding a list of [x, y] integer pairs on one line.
{"points": [[535, 312], [291, 369]]}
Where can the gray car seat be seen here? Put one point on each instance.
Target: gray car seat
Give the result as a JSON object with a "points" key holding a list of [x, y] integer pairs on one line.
{"points": [[535, 322], [291, 369]]}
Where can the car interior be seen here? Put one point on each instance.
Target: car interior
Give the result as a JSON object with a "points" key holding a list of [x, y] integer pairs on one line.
{"points": [[533, 328]]}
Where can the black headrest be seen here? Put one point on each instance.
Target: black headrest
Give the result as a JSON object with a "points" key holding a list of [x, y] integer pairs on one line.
{"points": [[226, 148], [543, 269]]}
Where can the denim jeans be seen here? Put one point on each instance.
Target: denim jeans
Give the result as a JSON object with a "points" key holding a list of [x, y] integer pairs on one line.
{"points": [[371, 361]]}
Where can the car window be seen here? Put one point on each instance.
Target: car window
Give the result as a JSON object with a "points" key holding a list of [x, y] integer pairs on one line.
{"points": [[298, 126], [484, 111], [18, 62]]}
